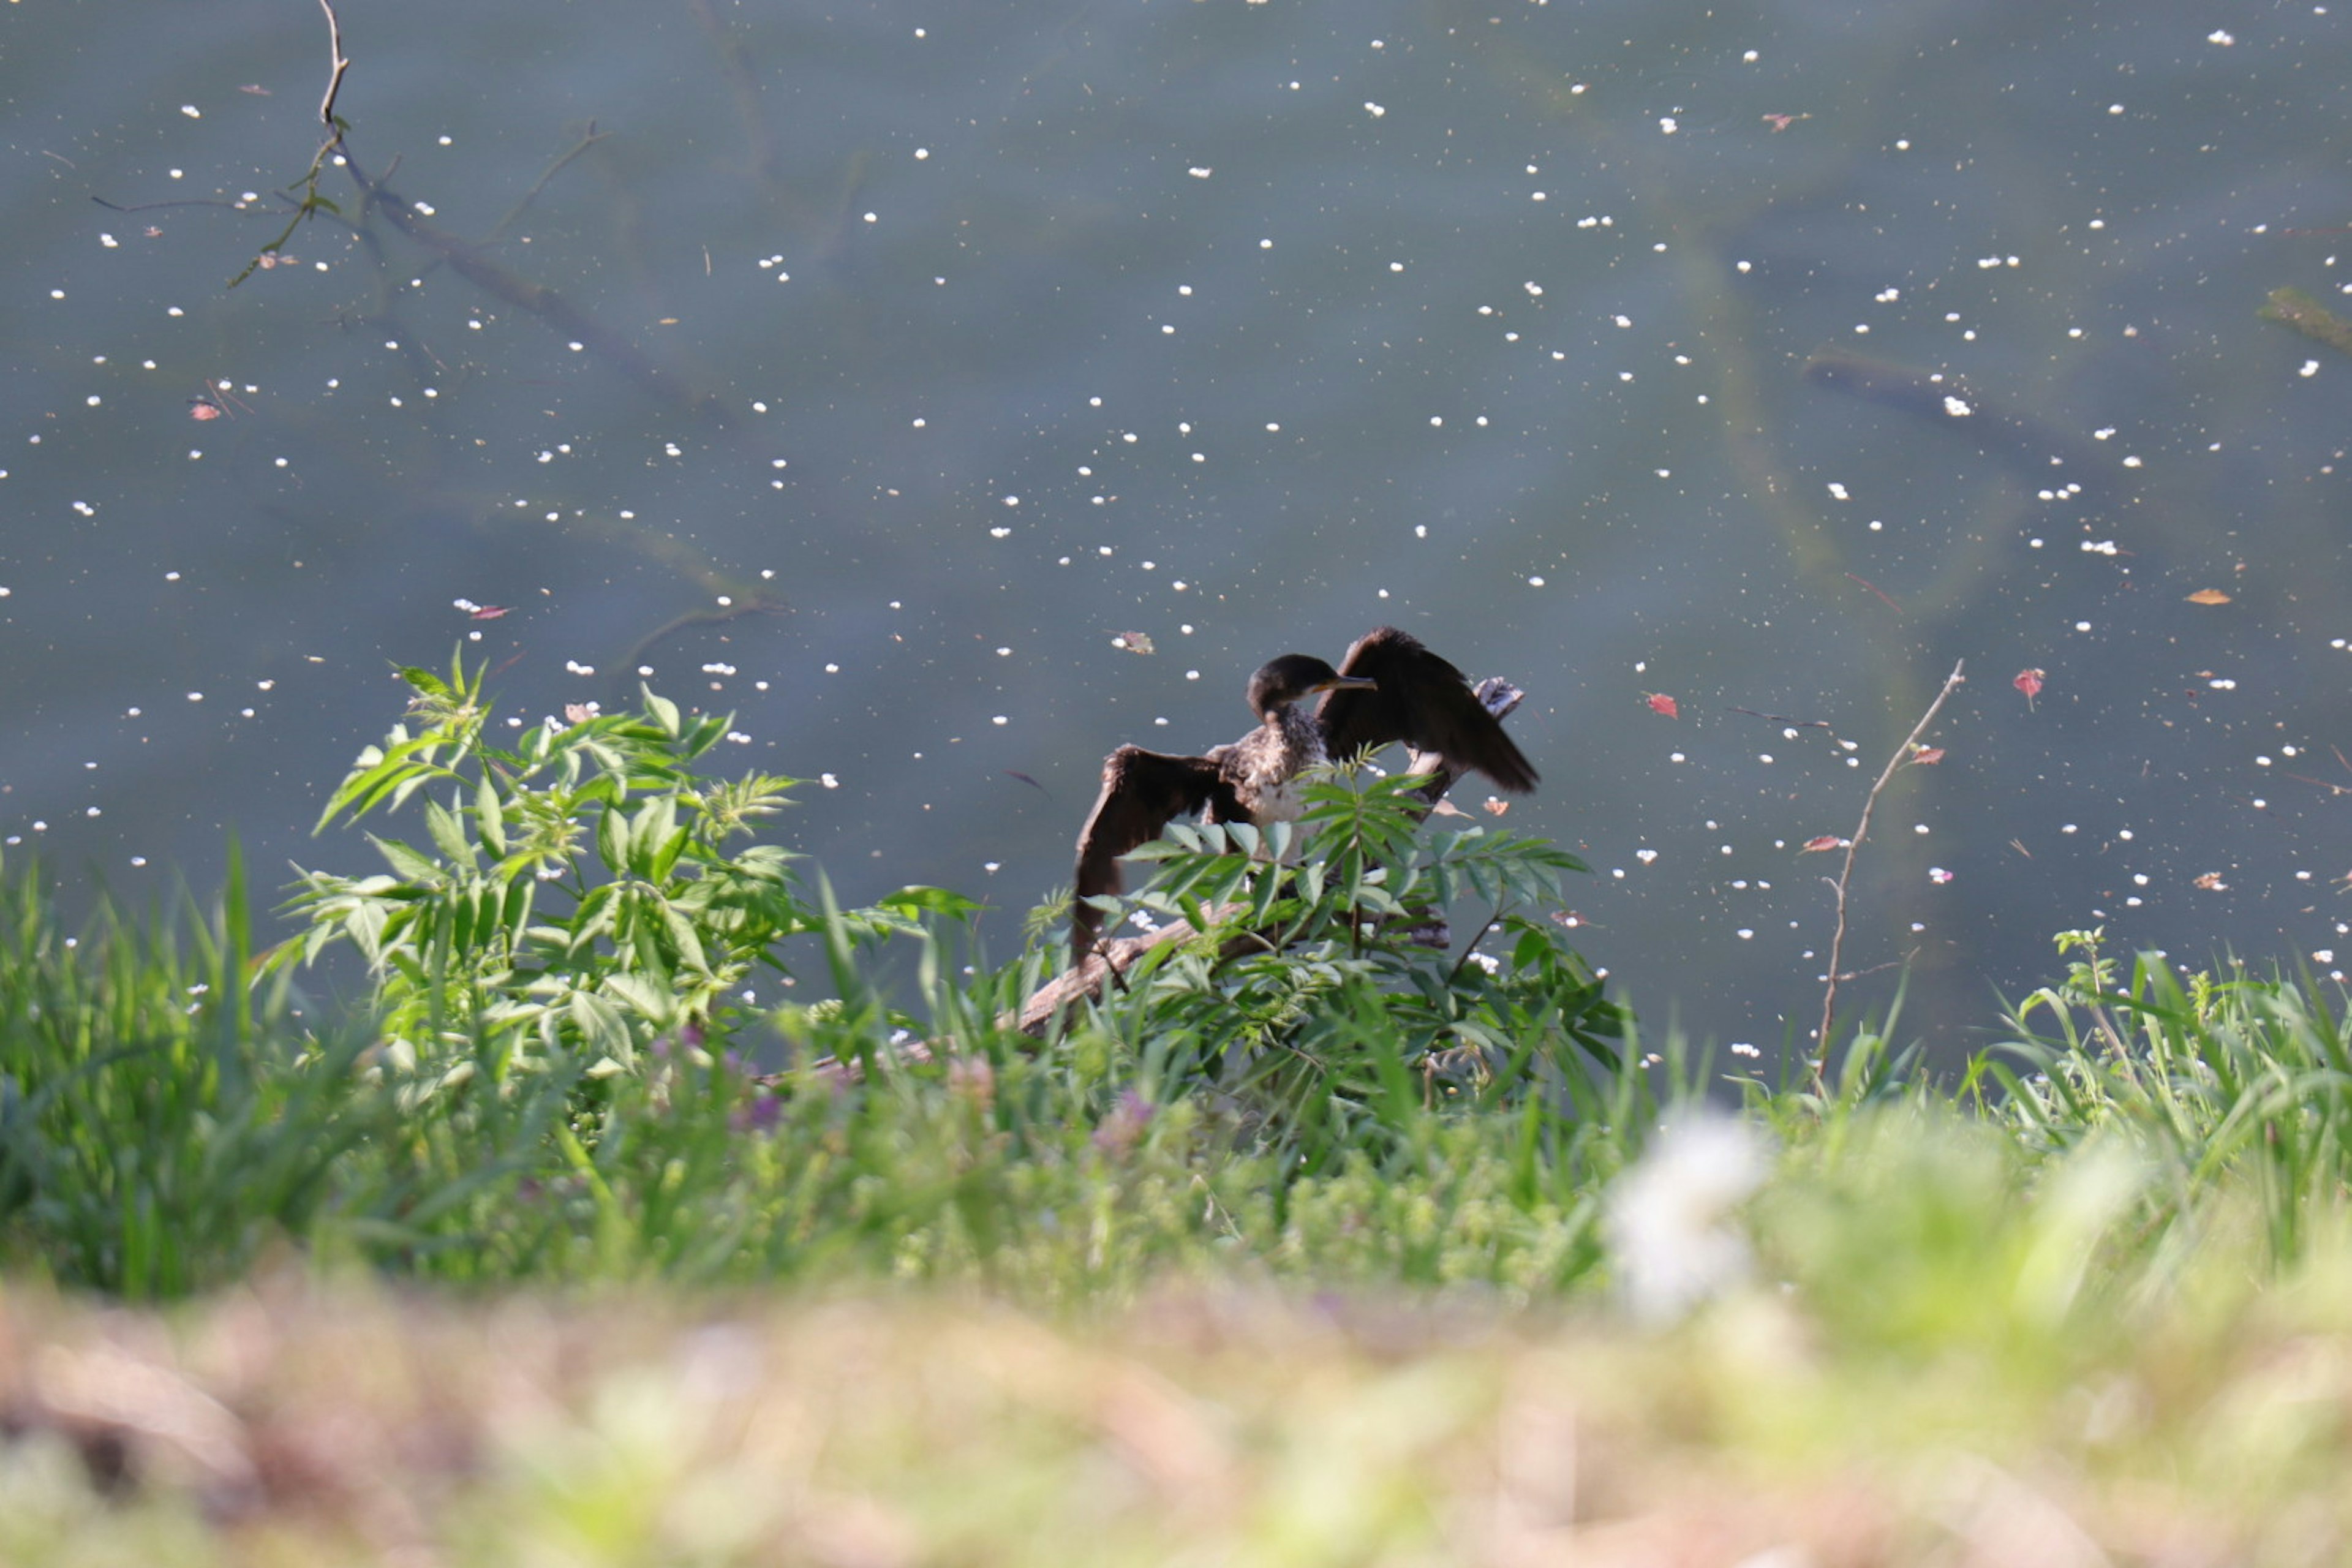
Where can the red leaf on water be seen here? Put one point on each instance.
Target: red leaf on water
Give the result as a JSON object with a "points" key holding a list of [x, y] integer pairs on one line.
{"points": [[1661, 703], [1927, 756], [490, 611], [1826, 841], [2030, 682]]}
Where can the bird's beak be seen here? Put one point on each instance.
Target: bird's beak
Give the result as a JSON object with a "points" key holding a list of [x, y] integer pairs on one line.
{"points": [[1348, 683]]}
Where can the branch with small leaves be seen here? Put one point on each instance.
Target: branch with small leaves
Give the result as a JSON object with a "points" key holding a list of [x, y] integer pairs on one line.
{"points": [[1909, 751]]}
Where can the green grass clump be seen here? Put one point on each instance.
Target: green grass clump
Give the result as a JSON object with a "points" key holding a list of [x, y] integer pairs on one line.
{"points": [[2213, 1074], [159, 1125]]}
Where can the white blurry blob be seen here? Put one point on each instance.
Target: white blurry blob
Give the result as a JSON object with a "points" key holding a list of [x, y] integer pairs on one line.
{"points": [[1669, 1220]]}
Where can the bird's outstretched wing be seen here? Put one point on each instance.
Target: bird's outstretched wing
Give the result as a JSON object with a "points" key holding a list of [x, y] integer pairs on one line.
{"points": [[1423, 702], [1141, 793]]}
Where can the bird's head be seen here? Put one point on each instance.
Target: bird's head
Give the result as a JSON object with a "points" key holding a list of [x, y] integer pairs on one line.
{"points": [[1294, 677]]}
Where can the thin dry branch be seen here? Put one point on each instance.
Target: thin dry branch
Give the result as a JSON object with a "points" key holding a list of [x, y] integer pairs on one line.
{"points": [[339, 63], [1903, 753]]}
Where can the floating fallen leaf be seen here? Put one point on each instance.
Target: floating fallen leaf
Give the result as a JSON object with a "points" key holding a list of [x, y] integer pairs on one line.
{"points": [[1825, 842], [1927, 756], [256, 91], [490, 611], [1661, 703], [215, 401], [579, 713], [1133, 642], [2030, 682], [1495, 807], [2211, 881], [2208, 596]]}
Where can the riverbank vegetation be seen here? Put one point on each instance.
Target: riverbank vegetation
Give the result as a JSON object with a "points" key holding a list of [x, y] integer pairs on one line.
{"points": [[639, 1203]]}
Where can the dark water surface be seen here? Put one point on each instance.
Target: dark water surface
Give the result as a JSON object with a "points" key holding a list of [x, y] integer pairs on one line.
{"points": [[969, 337]]}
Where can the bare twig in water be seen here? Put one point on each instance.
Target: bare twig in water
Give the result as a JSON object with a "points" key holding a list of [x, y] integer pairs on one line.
{"points": [[338, 63], [341, 63], [1784, 718], [155, 206], [588, 138], [1885, 597], [1903, 753]]}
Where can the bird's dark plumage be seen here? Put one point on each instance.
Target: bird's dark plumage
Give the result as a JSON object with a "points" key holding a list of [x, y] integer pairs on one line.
{"points": [[1389, 688], [1423, 701]]}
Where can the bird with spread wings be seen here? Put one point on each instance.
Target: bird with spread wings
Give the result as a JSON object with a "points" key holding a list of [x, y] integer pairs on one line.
{"points": [[1388, 687]]}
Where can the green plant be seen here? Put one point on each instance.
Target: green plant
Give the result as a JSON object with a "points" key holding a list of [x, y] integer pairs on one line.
{"points": [[159, 1126], [1320, 999], [2218, 1078], [575, 897]]}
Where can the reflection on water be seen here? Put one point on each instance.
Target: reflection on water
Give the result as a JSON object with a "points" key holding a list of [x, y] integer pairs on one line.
{"points": [[898, 378]]}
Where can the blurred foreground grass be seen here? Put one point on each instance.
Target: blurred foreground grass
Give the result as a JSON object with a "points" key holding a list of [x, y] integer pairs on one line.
{"points": [[1941, 1377]]}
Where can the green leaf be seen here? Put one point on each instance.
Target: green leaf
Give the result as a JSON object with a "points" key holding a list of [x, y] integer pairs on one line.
{"points": [[448, 833], [666, 852], [514, 912], [656, 1006], [661, 710], [489, 815], [463, 920], [602, 1027], [654, 822], [913, 901], [705, 734], [596, 917], [612, 839], [683, 937], [409, 865]]}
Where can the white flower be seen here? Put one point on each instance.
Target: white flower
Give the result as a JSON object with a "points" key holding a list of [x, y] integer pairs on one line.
{"points": [[1669, 1217]]}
